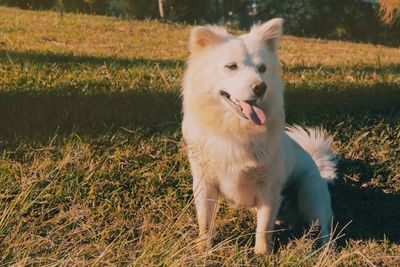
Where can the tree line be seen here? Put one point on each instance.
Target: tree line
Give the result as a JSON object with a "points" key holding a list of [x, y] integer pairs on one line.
{"points": [[358, 20]]}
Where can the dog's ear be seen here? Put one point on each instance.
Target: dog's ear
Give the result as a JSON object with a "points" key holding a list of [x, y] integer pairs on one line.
{"points": [[205, 36], [270, 32]]}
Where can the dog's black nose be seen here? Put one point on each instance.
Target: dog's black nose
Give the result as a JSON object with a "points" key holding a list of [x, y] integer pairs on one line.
{"points": [[260, 89]]}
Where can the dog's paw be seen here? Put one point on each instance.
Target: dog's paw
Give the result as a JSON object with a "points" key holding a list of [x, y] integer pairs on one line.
{"points": [[260, 249], [204, 245]]}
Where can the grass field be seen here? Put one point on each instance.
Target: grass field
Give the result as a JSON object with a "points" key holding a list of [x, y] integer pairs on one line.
{"points": [[93, 171]]}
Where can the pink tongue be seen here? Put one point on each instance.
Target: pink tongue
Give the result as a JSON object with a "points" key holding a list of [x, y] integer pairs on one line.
{"points": [[253, 113]]}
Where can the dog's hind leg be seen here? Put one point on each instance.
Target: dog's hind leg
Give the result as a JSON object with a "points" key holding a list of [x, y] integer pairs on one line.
{"points": [[314, 203], [206, 200]]}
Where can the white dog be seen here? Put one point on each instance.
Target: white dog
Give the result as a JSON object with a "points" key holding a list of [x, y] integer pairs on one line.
{"points": [[234, 128]]}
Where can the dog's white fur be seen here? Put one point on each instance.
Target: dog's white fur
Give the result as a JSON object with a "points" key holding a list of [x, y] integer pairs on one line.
{"points": [[249, 165]]}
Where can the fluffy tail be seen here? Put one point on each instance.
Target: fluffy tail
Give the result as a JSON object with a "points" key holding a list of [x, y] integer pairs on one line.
{"points": [[318, 145]]}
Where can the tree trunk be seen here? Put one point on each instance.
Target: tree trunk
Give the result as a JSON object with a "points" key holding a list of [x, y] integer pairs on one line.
{"points": [[161, 8]]}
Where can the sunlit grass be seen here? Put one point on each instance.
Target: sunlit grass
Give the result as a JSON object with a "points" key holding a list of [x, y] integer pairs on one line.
{"points": [[93, 171]]}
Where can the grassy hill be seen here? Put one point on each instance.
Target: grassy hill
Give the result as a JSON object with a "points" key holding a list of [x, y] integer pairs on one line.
{"points": [[93, 171]]}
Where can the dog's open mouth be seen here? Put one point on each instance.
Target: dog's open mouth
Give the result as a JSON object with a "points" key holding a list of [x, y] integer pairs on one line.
{"points": [[246, 109]]}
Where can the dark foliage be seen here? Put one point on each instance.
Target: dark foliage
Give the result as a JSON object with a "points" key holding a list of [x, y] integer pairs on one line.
{"points": [[334, 19]]}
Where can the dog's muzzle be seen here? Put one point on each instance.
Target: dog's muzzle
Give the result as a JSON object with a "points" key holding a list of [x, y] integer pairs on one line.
{"points": [[246, 109]]}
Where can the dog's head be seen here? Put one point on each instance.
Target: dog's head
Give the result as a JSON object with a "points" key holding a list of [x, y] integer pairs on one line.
{"points": [[236, 71]]}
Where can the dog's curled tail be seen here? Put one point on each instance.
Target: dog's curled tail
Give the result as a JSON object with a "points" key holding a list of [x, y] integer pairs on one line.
{"points": [[318, 144]]}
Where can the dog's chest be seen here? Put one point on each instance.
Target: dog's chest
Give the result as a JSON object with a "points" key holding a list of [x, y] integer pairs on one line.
{"points": [[241, 187], [239, 171]]}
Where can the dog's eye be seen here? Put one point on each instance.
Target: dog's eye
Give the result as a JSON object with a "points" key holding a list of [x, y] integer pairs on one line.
{"points": [[232, 66], [262, 68]]}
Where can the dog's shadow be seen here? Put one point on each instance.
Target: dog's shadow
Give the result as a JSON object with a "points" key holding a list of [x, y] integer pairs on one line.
{"points": [[361, 212]]}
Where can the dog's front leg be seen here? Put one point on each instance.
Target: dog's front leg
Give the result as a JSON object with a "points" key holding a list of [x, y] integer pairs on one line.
{"points": [[267, 210], [206, 200]]}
